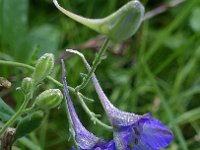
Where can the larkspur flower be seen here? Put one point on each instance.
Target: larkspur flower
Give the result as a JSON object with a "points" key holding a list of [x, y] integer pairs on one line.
{"points": [[132, 131], [85, 140]]}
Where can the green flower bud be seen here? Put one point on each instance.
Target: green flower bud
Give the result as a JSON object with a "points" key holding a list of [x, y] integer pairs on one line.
{"points": [[28, 124], [27, 84], [118, 26], [48, 99], [43, 67]]}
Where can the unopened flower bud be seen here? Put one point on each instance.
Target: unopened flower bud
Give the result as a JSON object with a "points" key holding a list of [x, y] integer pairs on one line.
{"points": [[48, 99], [118, 26], [123, 23], [27, 84], [43, 67]]}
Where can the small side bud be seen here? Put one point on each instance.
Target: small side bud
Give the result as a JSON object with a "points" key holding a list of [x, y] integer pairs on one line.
{"points": [[43, 68], [27, 84], [48, 99]]}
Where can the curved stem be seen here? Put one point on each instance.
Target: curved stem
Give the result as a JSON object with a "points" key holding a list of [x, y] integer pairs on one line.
{"points": [[29, 110], [95, 63], [93, 115], [91, 23], [15, 116], [16, 64]]}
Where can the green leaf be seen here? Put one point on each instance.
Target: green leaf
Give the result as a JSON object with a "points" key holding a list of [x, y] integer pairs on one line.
{"points": [[29, 124], [5, 111], [46, 37], [13, 25]]}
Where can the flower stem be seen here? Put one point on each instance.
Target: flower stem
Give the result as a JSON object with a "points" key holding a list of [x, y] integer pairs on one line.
{"points": [[95, 63], [16, 64], [93, 115], [15, 116]]}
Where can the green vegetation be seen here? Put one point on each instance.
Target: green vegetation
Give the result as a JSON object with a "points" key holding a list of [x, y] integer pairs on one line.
{"points": [[157, 70]]}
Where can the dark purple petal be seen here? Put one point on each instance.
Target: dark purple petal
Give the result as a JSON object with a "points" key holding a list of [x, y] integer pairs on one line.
{"points": [[154, 133], [73, 148], [146, 133], [141, 146], [104, 145], [84, 139]]}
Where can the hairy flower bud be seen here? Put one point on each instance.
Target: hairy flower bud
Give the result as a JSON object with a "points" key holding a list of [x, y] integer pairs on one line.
{"points": [[118, 26], [27, 84], [48, 99], [43, 67]]}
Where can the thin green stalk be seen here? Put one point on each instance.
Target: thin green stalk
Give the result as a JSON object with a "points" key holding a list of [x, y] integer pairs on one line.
{"points": [[95, 63], [16, 64], [167, 109], [15, 116], [71, 130], [30, 109], [93, 116]]}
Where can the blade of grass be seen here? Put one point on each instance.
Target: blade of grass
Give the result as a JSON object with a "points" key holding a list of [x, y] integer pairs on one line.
{"points": [[185, 71], [175, 54], [167, 108], [188, 116], [167, 31]]}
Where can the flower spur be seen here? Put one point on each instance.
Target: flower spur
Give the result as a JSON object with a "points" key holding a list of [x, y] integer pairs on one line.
{"points": [[131, 131], [84, 139]]}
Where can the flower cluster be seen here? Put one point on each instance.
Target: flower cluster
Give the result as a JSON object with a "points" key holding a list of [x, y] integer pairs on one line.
{"points": [[130, 131]]}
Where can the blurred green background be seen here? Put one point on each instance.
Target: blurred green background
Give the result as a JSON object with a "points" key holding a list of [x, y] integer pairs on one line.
{"points": [[156, 71]]}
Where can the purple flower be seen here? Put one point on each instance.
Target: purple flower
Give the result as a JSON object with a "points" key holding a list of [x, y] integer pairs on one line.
{"points": [[85, 140], [144, 134], [132, 131]]}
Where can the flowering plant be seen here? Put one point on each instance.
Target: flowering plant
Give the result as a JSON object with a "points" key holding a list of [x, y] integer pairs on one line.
{"points": [[131, 131], [145, 90]]}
